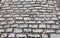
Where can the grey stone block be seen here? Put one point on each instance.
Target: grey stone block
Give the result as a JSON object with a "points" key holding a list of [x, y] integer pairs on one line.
{"points": [[34, 35], [42, 26], [11, 35], [27, 30], [55, 35], [4, 35], [9, 30], [21, 35], [37, 30], [17, 30], [1, 30], [33, 26]]}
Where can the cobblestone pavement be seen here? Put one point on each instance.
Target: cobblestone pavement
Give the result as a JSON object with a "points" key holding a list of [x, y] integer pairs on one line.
{"points": [[29, 19]]}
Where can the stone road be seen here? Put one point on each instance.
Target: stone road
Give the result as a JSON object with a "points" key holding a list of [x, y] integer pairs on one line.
{"points": [[29, 19]]}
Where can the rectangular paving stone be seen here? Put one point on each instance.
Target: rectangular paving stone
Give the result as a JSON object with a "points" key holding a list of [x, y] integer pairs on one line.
{"points": [[9, 30], [6, 26], [31, 22], [15, 0], [55, 26], [1, 26], [4, 35], [28, 0], [13, 25], [34, 35], [49, 22], [33, 26], [17, 30], [1, 30], [23, 26], [18, 22], [42, 26], [55, 35], [21, 35], [11, 35], [20, 18], [37, 30], [2, 19], [49, 31], [57, 31], [27, 30], [39, 0]]}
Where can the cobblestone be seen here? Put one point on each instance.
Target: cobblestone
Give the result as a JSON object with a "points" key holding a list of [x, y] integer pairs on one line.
{"points": [[29, 19], [11, 35], [4, 35], [21, 35], [17, 30]]}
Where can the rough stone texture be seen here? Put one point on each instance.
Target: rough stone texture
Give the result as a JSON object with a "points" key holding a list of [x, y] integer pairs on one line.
{"points": [[29, 19]]}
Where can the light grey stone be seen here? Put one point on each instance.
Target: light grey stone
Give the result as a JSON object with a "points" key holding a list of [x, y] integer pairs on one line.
{"points": [[55, 26], [16, 3], [48, 26], [1, 30], [27, 5], [1, 26], [9, 10], [23, 26], [15, 0], [9, 30], [27, 30], [28, 0], [57, 31], [19, 18], [21, 35], [39, 0], [49, 22], [9, 19], [18, 22], [33, 26], [11, 35], [11, 22], [31, 22], [34, 35], [55, 35], [38, 22], [6, 8], [17, 30], [49, 31], [2, 23], [2, 19], [48, 16], [37, 30], [54, 18], [19, 5], [6, 26], [42, 26], [15, 8], [14, 25], [16, 15], [8, 15], [27, 18], [4, 35], [21, 0]]}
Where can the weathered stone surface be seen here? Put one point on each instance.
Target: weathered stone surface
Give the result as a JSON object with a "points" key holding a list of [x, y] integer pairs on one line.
{"points": [[29, 19], [21, 35], [11, 35]]}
